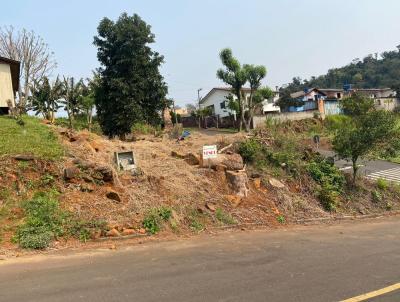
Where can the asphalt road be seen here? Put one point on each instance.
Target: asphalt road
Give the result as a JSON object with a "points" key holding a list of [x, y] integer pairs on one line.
{"points": [[315, 263], [372, 169]]}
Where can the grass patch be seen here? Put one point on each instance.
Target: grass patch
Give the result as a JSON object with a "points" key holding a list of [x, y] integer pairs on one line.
{"points": [[31, 138], [45, 221], [80, 123], [224, 217]]}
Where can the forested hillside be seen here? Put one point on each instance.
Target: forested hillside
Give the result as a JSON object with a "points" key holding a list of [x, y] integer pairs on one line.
{"points": [[373, 71]]}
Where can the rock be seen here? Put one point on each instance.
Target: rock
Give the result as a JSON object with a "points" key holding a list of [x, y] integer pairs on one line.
{"points": [[256, 182], [113, 196], [113, 247], [211, 207], [127, 232], [87, 178], [234, 200], [177, 155], [276, 183], [142, 231], [87, 188], [95, 234], [106, 173], [24, 157], [255, 175], [71, 173], [113, 233], [84, 164], [238, 182], [192, 159], [231, 161], [220, 168]]}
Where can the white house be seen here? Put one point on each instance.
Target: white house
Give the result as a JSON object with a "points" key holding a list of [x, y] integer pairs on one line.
{"points": [[9, 83], [216, 99]]}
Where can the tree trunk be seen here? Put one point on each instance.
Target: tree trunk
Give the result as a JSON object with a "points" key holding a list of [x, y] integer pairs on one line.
{"points": [[355, 170], [238, 182]]}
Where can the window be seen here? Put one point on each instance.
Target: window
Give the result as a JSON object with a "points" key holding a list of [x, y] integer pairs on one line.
{"points": [[222, 105], [338, 95]]}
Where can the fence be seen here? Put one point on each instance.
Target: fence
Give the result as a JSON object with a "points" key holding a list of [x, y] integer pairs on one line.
{"points": [[259, 120]]}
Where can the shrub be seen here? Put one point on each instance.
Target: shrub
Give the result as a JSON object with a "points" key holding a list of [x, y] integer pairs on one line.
{"points": [[155, 218], [326, 174], [328, 198], [382, 184], [376, 196], [83, 229], [223, 217], [281, 219], [30, 237], [249, 150], [195, 220]]}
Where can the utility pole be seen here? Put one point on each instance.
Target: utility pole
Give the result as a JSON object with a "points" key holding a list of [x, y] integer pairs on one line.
{"points": [[199, 100]]}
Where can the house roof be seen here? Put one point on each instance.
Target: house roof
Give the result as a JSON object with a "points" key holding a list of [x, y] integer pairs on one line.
{"points": [[227, 89], [298, 94], [15, 70]]}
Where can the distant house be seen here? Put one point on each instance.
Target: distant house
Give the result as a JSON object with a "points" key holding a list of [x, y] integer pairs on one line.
{"points": [[308, 99], [326, 100], [9, 83], [216, 100]]}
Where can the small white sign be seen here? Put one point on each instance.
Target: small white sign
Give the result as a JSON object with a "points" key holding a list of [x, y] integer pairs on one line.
{"points": [[210, 152]]}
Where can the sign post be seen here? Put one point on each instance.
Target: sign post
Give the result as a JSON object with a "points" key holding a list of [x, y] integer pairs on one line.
{"points": [[209, 152]]}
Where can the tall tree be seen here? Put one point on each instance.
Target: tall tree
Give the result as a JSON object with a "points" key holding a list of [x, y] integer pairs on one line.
{"points": [[72, 96], [45, 96], [255, 74], [37, 61], [234, 75], [131, 88]]}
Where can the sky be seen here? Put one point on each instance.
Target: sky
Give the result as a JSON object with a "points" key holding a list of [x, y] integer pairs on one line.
{"points": [[290, 37]]}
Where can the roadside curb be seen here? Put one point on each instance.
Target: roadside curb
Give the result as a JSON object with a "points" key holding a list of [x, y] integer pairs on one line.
{"points": [[264, 225]]}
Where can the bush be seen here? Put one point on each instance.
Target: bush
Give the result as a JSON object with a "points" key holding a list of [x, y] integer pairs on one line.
{"points": [[376, 196], [249, 150], [155, 218], [331, 181], [328, 198], [326, 174], [30, 237], [382, 184]]}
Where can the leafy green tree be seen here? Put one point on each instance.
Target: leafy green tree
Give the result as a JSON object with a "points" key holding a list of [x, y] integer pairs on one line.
{"points": [[371, 72], [45, 96], [72, 96], [131, 88], [87, 101], [234, 75], [368, 130], [357, 105], [255, 74]]}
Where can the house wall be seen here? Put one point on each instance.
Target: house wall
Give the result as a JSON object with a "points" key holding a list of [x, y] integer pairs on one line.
{"points": [[216, 98], [6, 89], [331, 107]]}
